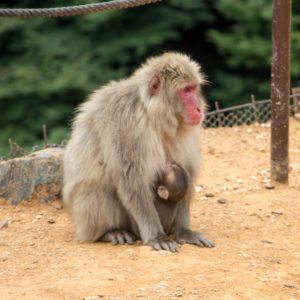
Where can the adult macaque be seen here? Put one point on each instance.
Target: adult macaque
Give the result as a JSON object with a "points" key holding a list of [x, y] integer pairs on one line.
{"points": [[121, 140]]}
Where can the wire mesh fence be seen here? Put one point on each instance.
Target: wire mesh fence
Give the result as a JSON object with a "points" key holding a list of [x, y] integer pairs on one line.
{"points": [[257, 111]]}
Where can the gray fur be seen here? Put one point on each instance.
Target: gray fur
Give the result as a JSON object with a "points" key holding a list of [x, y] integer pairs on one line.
{"points": [[121, 139]]}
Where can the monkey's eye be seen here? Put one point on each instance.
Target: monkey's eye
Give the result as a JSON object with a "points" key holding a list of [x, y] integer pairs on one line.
{"points": [[189, 89]]}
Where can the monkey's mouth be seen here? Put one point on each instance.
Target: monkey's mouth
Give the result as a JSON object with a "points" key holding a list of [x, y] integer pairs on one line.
{"points": [[194, 117]]}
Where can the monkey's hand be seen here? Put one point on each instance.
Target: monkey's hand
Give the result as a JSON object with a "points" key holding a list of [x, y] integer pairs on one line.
{"points": [[187, 236], [163, 242]]}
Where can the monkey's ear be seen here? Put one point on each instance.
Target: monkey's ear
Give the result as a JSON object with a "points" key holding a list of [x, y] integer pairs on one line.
{"points": [[154, 85], [163, 192]]}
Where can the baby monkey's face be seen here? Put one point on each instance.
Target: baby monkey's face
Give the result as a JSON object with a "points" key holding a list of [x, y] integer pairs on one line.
{"points": [[173, 184]]}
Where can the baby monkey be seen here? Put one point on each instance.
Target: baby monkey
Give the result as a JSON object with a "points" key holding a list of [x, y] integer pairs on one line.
{"points": [[173, 184], [171, 188]]}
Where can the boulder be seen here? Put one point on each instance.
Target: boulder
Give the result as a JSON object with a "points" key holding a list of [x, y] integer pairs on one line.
{"points": [[39, 175]]}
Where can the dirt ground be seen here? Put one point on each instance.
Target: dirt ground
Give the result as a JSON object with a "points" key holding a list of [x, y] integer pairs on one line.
{"points": [[256, 231]]}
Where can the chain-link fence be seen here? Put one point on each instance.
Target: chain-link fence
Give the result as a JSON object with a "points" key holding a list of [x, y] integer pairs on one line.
{"points": [[257, 111]]}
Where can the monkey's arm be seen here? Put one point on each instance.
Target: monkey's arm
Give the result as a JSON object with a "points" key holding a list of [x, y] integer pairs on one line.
{"points": [[138, 199]]}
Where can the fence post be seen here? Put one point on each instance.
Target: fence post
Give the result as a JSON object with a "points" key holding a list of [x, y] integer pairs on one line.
{"points": [[220, 123], [280, 89], [45, 135], [296, 100], [253, 101]]}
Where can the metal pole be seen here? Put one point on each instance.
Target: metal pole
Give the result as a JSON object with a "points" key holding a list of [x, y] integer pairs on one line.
{"points": [[254, 107], [280, 88], [218, 114]]}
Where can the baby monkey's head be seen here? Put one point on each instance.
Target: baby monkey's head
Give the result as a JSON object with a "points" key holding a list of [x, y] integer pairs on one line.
{"points": [[173, 184]]}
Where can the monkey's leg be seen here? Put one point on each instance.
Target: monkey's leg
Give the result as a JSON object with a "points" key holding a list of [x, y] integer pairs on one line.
{"points": [[141, 208], [97, 211], [167, 211], [183, 233]]}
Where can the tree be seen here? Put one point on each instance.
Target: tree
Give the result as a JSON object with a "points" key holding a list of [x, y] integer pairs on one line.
{"points": [[48, 66], [245, 44]]}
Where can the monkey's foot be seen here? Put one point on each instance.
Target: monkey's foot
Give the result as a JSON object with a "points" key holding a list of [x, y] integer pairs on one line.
{"points": [[119, 237], [163, 242], [188, 236]]}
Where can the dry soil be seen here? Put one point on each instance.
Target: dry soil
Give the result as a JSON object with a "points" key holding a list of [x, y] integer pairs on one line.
{"points": [[256, 231]]}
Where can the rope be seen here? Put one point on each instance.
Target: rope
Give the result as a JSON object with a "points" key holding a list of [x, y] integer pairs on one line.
{"points": [[72, 10]]}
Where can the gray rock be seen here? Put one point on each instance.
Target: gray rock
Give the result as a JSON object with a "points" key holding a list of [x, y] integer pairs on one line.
{"points": [[222, 201], [269, 186], [39, 173]]}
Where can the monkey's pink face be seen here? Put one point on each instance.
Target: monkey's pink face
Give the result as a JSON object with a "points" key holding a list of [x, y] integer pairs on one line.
{"points": [[189, 98]]}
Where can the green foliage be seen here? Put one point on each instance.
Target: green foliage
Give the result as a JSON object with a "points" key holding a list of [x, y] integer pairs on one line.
{"points": [[245, 44], [49, 66]]}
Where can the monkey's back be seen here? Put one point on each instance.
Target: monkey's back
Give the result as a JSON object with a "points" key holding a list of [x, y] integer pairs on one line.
{"points": [[110, 134]]}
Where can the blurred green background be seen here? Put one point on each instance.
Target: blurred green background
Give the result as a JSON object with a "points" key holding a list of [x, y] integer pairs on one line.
{"points": [[49, 66]]}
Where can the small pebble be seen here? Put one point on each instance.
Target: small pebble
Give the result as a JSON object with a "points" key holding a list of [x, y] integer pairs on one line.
{"points": [[269, 186], [3, 224], [290, 286], [209, 195], [222, 200], [295, 167], [277, 213], [3, 258], [266, 242], [57, 204], [51, 221], [198, 188], [223, 188], [211, 151], [266, 125], [263, 172]]}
